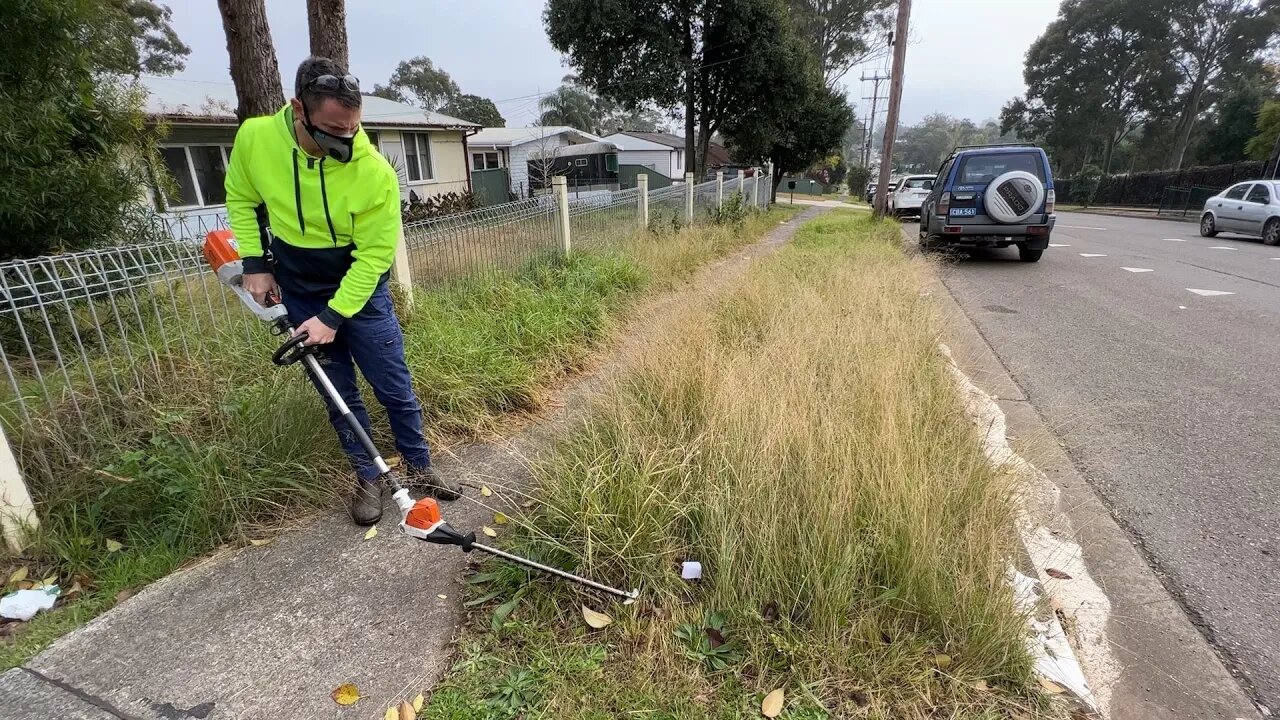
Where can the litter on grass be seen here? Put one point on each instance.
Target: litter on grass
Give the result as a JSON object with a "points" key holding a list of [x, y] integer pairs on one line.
{"points": [[24, 604], [691, 570]]}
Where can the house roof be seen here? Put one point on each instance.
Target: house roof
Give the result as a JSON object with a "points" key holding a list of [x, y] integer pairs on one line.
{"points": [[508, 136], [661, 138], [196, 101], [717, 156], [591, 148]]}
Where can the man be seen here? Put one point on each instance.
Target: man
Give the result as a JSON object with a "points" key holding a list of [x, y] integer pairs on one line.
{"points": [[333, 208]]}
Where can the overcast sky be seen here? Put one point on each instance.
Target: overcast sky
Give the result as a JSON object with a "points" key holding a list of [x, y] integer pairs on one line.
{"points": [[965, 58]]}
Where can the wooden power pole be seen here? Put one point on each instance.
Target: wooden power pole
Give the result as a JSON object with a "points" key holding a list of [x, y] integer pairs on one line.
{"points": [[254, 69], [895, 103], [327, 23]]}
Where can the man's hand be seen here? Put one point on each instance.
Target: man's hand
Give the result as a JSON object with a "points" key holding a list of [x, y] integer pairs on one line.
{"points": [[317, 332], [260, 285]]}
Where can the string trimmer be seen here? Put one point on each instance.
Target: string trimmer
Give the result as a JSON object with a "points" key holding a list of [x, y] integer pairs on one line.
{"points": [[419, 519]]}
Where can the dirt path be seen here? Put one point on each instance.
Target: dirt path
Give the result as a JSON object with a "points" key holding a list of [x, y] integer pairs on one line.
{"points": [[270, 631]]}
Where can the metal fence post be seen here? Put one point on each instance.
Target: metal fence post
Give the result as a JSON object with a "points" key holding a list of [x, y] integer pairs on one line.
{"points": [[719, 188], [17, 514], [402, 270], [642, 183], [742, 184], [755, 190], [768, 189], [561, 188], [688, 198]]}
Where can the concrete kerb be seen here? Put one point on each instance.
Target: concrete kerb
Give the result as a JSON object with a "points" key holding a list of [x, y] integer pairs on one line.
{"points": [[1111, 617]]}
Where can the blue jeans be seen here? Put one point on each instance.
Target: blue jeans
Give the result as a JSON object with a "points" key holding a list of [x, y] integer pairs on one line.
{"points": [[370, 340]]}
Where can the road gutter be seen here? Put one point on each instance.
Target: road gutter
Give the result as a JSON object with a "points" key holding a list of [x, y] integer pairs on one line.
{"points": [[1137, 654]]}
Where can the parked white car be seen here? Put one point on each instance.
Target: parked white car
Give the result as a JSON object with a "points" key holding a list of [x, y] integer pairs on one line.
{"points": [[911, 191], [1248, 208]]}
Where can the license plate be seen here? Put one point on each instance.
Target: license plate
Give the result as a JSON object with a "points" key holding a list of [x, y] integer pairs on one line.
{"points": [[964, 212]]}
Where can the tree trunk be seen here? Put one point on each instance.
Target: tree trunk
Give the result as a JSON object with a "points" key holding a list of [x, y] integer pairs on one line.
{"points": [[327, 21], [1106, 156], [1186, 122], [254, 69]]}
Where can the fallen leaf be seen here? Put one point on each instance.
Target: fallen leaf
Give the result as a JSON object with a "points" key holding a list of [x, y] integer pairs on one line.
{"points": [[391, 714], [26, 585], [489, 531], [942, 660], [394, 462], [500, 518], [260, 543], [114, 546], [485, 491], [770, 611], [50, 581], [595, 619], [75, 588], [1056, 573], [123, 595], [1051, 687], [981, 686], [372, 533], [406, 711], [417, 703], [714, 636], [526, 504], [442, 596], [771, 707], [346, 694], [18, 575]]}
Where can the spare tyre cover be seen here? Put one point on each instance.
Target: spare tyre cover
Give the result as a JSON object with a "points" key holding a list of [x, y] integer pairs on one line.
{"points": [[1013, 196]]}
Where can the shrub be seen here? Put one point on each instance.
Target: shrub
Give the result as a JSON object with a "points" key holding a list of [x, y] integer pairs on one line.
{"points": [[1084, 186]]}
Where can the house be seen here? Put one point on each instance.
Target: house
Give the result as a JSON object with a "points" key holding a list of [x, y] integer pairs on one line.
{"points": [[585, 166], [428, 150], [664, 153], [508, 149]]}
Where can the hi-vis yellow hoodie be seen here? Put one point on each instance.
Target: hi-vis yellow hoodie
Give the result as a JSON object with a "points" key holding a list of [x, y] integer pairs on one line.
{"points": [[335, 225]]}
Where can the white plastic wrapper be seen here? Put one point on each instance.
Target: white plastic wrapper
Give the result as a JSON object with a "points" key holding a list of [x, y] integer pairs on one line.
{"points": [[691, 570], [24, 604]]}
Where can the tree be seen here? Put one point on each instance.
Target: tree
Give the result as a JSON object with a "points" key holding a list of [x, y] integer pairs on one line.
{"points": [[1260, 145], [419, 82], [157, 48], [254, 69], [1084, 186], [842, 33], [715, 60], [1208, 36], [922, 147], [1233, 116], [476, 109], [857, 178], [327, 27], [571, 104], [73, 122]]}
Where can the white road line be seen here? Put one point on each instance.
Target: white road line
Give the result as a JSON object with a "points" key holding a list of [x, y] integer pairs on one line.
{"points": [[1173, 239], [1137, 270], [1080, 227], [1091, 255], [1182, 307], [1220, 247], [1210, 293], [1066, 245]]}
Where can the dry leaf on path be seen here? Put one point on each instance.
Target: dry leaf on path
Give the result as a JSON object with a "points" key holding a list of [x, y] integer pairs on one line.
{"points": [[123, 595], [50, 581], [595, 619], [75, 588], [406, 711], [114, 546], [485, 491], [499, 518], [1056, 573], [260, 543], [18, 575], [418, 702], [942, 660], [771, 707], [981, 686], [526, 504], [489, 531], [1051, 687], [345, 694], [372, 533], [442, 596], [391, 714]]}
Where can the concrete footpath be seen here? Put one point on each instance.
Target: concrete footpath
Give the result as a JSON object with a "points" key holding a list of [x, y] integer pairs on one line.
{"points": [[267, 632], [1141, 655]]}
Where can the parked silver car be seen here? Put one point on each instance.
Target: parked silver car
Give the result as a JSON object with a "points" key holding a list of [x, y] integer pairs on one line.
{"points": [[1249, 208]]}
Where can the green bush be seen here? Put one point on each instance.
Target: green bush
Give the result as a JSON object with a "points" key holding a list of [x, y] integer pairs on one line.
{"points": [[1084, 186], [858, 178]]}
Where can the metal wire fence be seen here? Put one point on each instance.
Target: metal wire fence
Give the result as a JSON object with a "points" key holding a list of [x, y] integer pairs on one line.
{"points": [[83, 333]]}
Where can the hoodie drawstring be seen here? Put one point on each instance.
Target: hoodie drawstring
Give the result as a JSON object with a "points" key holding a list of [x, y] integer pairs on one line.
{"points": [[297, 193], [324, 198]]}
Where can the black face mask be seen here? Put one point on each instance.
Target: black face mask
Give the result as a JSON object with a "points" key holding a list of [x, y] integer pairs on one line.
{"points": [[335, 146]]}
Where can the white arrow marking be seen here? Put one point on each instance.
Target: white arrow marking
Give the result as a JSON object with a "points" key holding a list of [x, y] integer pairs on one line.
{"points": [[1066, 245], [1173, 239], [1210, 293], [1091, 255], [1136, 270], [1082, 227], [1220, 247], [1182, 307]]}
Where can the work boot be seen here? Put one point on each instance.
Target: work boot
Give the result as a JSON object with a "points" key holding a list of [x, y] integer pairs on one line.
{"points": [[366, 503], [428, 480]]}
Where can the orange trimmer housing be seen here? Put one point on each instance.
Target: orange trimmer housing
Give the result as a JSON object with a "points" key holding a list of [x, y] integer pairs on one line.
{"points": [[424, 514], [220, 249]]}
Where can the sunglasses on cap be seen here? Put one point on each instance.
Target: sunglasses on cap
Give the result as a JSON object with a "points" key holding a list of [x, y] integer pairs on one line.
{"points": [[334, 83]]}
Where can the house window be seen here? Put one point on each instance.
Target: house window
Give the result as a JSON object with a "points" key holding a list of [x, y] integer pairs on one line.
{"points": [[611, 163], [485, 161], [373, 138], [417, 156], [679, 158], [198, 172], [580, 162]]}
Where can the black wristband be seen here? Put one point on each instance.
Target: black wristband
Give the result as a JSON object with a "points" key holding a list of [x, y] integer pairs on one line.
{"points": [[330, 317], [253, 265]]}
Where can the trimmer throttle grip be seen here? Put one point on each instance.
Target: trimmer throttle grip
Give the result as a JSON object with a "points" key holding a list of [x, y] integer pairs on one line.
{"points": [[292, 350]]}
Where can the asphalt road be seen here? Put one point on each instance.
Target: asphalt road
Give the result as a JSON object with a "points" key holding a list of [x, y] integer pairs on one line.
{"points": [[1167, 399]]}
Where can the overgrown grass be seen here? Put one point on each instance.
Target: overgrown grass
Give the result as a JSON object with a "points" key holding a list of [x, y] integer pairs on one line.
{"points": [[801, 438], [227, 448]]}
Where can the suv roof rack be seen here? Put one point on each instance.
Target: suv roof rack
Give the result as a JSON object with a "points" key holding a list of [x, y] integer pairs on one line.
{"points": [[994, 145]]}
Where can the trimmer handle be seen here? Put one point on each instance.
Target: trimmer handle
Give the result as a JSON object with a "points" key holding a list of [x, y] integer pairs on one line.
{"points": [[292, 350]]}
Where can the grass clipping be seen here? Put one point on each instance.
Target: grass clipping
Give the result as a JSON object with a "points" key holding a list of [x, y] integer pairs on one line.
{"points": [[800, 437]]}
